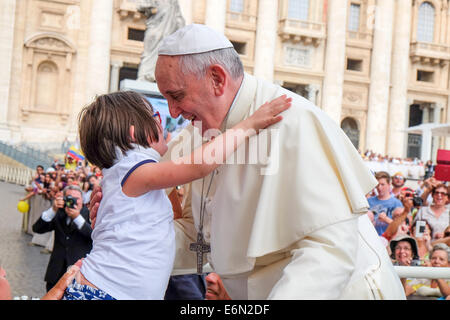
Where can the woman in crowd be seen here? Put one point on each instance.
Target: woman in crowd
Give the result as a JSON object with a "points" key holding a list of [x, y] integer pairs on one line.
{"points": [[436, 214], [423, 240], [405, 253], [440, 288]]}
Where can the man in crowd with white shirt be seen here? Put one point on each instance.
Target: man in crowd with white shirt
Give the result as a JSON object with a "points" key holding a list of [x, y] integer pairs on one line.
{"points": [[70, 221]]}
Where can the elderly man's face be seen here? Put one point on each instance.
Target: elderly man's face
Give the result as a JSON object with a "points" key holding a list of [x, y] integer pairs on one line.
{"points": [[186, 95]]}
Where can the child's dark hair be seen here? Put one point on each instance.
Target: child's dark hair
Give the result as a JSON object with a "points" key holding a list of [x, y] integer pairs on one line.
{"points": [[105, 124]]}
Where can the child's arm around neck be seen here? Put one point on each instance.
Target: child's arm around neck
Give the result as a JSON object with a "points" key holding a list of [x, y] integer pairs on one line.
{"points": [[154, 176]]}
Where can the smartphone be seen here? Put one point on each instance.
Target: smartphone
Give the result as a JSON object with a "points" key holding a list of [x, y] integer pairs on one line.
{"points": [[420, 228]]}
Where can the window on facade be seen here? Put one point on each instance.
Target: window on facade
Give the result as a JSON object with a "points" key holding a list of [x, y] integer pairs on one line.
{"points": [[353, 19], [297, 56], [425, 23], [298, 9], [136, 34], [128, 73], [350, 127], [426, 76], [46, 85], [240, 47], [299, 89], [237, 6], [354, 65]]}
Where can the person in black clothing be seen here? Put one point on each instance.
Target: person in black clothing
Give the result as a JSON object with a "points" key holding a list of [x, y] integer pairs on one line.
{"points": [[70, 221]]}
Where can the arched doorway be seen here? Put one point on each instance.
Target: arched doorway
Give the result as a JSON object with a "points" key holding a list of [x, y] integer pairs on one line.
{"points": [[350, 127]]}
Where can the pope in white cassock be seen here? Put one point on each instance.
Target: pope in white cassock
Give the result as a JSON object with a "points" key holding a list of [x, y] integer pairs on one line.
{"points": [[290, 225]]}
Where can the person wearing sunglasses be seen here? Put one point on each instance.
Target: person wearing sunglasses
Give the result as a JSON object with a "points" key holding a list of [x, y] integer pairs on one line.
{"points": [[437, 214]]}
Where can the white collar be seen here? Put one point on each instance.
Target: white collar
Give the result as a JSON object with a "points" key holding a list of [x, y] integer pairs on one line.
{"points": [[150, 152]]}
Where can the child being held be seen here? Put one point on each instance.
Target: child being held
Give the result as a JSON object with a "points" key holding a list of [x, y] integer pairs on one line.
{"points": [[134, 239]]}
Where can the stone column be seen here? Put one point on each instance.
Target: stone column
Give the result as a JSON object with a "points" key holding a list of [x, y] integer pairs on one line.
{"points": [[266, 37], [398, 109], [380, 77], [426, 113], [312, 92], [186, 10], [114, 76], [99, 48], [215, 16], [335, 59], [436, 139], [7, 21]]}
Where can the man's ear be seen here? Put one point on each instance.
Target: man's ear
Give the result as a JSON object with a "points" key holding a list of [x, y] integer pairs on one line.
{"points": [[132, 133], [219, 78]]}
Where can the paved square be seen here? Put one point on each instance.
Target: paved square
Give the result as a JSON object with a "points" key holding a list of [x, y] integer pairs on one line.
{"points": [[25, 266]]}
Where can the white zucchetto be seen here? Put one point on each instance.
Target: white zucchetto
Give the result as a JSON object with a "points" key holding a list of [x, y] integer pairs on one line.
{"points": [[193, 38]]}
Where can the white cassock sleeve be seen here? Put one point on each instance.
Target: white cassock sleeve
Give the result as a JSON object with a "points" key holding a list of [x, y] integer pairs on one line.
{"points": [[322, 265]]}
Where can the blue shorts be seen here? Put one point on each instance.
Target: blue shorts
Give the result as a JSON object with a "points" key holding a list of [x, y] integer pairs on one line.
{"points": [[76, 291]]}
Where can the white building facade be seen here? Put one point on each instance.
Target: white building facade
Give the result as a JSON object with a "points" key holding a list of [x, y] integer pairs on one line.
{"points": [[376, 67]]}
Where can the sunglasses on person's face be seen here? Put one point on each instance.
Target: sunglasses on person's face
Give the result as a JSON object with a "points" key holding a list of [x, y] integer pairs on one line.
{"points": [[440, 193], [157, 117]]}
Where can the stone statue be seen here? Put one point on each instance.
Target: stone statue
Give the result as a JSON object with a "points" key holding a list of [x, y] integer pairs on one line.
{"points": [[163, 18]]}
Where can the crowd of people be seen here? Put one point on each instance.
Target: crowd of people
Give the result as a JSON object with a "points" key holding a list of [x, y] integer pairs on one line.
{"points": [[414, 227], [270, 236], [47, 183]]}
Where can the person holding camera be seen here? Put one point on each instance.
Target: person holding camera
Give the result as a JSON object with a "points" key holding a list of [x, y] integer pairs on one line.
{"points": [[436, 214], [70, 221], [421, 231]]}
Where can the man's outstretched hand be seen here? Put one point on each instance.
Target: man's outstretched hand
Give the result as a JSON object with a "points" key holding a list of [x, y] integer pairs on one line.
{"points": [[215, 289], [57, 292], [94, 203]]}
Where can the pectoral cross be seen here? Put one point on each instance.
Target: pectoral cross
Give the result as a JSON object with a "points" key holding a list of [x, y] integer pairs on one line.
{"points": [[200, 247]]}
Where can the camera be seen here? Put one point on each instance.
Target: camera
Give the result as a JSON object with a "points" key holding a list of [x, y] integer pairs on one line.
{"points": [[70, 202], [417, 201], [420, 228]]}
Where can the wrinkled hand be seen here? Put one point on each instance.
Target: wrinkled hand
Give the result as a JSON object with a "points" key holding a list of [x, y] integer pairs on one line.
{"points": [[57, 292], [94, 203], [215, 290]]}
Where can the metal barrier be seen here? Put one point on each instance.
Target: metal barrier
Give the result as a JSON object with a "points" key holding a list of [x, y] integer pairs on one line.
{"points": [[402, 272], [26, 155], [21, 176], [422, 272]]}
